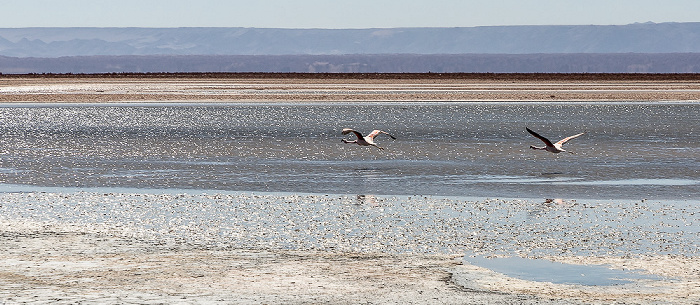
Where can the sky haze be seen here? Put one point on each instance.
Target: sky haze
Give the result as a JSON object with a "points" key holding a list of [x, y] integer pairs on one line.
{"points": [[339, 14]]}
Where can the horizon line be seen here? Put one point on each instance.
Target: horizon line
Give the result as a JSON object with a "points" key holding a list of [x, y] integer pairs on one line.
{"points": [[346, 28]]}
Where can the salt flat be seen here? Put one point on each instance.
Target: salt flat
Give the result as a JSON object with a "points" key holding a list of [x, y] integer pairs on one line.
{"points": [[238, 190], [346, 87]]}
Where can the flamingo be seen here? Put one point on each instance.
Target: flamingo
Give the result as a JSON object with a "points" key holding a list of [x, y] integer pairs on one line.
{"points": [[553, 148], [365, 141]]}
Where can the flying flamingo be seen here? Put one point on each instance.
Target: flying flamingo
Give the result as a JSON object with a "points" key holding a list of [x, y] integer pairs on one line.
{"points": [[365, 141], [553, 148]]}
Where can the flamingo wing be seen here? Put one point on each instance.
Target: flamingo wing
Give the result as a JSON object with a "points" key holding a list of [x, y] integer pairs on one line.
{"points": [[348, 130], [537, 135], [376, 132], [564, 140]]}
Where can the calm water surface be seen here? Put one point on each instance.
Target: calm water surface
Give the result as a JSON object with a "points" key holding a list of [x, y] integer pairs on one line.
{"points": [[629, 151]]}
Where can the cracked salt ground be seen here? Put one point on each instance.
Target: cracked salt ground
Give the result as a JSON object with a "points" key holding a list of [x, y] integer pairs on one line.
{"points": [[655, 237]]}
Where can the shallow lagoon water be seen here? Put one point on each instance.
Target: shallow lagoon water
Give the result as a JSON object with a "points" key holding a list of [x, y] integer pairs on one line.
{"points": [[370, 223], [277, 176], [630, 151]]}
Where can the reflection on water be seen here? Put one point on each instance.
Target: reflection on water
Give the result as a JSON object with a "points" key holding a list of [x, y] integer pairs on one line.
{"points": [[367, 199], [554, 201], [645, 150]]}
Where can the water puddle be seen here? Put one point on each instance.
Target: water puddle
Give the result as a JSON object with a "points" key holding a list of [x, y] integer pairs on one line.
{"points": [[541, 270]]}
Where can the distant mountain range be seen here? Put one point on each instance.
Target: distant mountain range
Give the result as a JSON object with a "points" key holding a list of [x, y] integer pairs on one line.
{"points": [[632, 38], [575, 47]]}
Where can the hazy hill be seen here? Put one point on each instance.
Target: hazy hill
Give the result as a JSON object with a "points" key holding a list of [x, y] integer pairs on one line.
{"points": [[641, 47], [633, 38]]}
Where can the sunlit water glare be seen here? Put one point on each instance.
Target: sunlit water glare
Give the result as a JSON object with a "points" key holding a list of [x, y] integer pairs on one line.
{"points": [[459, 177], [629, 151]]}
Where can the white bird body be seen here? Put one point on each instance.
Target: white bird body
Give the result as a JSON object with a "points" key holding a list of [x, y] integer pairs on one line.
{"points": [[549, 146], [365, 140]]}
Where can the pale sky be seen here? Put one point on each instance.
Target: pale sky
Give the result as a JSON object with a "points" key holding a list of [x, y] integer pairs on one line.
{"points": [[339, 14]]}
